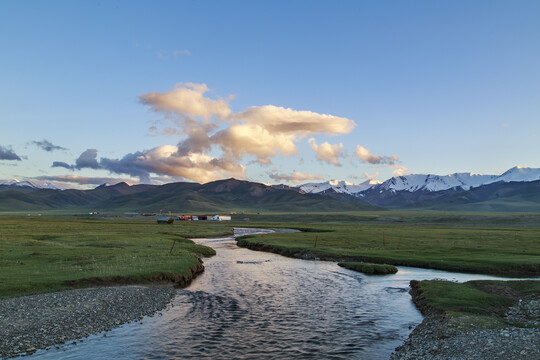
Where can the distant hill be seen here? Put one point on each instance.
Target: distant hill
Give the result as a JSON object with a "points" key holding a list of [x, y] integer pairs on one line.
{"points": [[516, 190], [217, 196]]}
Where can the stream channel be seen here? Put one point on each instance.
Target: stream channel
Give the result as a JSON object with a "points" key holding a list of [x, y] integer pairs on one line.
{"points": [[257, 305]]}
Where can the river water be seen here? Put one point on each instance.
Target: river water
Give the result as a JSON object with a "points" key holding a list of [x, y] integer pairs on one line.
{"points": [[257, 305]]}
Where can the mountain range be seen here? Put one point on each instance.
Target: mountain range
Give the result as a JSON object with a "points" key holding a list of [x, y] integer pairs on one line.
{"points": [[517, 189]]}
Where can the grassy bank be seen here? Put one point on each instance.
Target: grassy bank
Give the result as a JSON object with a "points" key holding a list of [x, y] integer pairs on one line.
{"points": [[369, 268], [481, 303], [42, 254], [476, 244]]}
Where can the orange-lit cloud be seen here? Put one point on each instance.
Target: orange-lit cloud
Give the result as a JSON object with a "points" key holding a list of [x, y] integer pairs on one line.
{"points": [[326, 152], [279, 120], [187, 100], [366, 157], [399, 170], [165, 160]]}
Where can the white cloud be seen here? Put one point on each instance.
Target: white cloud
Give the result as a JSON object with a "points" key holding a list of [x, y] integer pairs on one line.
{"points": [[187, 100], [399, 170], [326, 152], [300, 123]]}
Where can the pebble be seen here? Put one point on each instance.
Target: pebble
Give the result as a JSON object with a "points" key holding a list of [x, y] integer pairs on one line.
{"points": [[35, 322]]}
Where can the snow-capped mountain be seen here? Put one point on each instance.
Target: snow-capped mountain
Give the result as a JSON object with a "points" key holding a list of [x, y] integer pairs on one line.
{"points": [[337, 186], [421, 182], [32, 184], [418, 182], [465, 181], [520, 173]]}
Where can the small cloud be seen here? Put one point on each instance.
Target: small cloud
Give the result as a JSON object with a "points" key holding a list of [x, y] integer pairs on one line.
{"points": [[7, 153], [47, 145], [326, 152], [62, 164], [178, 53], [88, 159], [372, 177], [366, 157], [399, 170], [296, 177], [165, 55]]}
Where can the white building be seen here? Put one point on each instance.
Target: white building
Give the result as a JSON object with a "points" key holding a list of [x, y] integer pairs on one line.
{"points": [[221, 218]]}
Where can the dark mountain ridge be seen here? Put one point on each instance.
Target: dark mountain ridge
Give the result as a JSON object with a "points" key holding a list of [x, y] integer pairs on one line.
{"points": [[222, 195]]}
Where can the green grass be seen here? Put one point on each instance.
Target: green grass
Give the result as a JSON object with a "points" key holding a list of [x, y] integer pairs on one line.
{"points": [[462, 298], [506, 245], [369, 268], [43, 254], [481, 303]]}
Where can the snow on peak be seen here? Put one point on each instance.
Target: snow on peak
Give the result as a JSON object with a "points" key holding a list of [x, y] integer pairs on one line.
{"points": [[465, 181], [338, 186], [34, 184], [520, 173]]}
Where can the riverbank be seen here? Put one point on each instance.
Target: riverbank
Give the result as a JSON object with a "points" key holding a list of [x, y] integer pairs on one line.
{"points": [[481, 249], [513, 333], [40, 321]]}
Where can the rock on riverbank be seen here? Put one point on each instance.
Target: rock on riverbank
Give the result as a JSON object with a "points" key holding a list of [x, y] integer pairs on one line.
{"points": [[38, 321]]}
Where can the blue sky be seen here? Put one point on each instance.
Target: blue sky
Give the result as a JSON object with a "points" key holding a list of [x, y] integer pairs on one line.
{"points": [[292, 91]]}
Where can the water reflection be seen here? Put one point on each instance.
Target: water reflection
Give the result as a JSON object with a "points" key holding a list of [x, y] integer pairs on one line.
{"points": [[251, 304]]}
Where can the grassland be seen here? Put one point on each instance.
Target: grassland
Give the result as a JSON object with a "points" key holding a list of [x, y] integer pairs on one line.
{"points": [[47, 253], [43, 254], [502, 244]]}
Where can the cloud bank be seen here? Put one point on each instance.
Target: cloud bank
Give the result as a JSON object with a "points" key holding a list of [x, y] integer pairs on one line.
{"points": [[296, 177], [84, 180]]}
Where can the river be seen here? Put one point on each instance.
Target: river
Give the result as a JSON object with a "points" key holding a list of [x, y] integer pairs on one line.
{"points": [[257, 305]]}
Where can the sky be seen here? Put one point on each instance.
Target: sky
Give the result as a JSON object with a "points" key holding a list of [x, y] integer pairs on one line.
{"points": [[268, 91]]}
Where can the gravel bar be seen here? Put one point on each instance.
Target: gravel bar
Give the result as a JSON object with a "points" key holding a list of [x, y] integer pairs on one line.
{"points": [[36, 322], [437, 338]]}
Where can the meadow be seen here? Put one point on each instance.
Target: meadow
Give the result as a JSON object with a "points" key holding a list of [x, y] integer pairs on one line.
{"points": [[42, 254], [54, 252], [502, 244]]}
